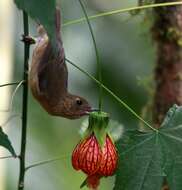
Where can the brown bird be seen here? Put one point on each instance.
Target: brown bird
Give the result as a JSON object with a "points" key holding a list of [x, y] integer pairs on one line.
{"points": [[48, 77]]}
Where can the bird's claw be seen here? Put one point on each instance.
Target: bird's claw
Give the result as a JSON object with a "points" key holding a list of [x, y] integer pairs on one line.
{"points": [[28, 39]]}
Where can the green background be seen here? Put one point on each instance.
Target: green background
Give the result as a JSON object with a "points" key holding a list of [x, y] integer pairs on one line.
{"points": [[126, 52]]}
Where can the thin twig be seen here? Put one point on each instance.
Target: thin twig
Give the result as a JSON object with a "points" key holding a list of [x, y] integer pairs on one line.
{"points": [[113, 95], [9, 119], [9, 84], [24, 105], [119, 11], [14, 93], [99, 70], [5, 157], [9, 109], [46, 161]]}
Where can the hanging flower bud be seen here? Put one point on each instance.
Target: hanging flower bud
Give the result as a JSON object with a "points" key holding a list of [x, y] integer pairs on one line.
{"points": [[96, 155]]}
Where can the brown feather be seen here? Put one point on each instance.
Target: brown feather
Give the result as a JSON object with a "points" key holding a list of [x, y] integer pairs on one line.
{"points": [[48, 77]]}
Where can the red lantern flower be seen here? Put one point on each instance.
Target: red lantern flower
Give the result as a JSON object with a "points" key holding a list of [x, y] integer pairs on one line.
{"points": [[109, 159], [87, 156], [96, 155], [95, 161]]}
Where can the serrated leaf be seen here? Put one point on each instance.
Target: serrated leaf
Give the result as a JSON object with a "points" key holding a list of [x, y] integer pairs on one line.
{"points": [[172, 146], [42, 11], [146, 158], [138, 168], [5, 142]]}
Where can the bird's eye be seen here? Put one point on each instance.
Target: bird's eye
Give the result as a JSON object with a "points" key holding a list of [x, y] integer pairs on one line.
{"points": [[78, 101]]}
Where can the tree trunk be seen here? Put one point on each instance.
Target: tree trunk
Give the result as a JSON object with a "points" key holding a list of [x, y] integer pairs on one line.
{"points": [[167, 33]]}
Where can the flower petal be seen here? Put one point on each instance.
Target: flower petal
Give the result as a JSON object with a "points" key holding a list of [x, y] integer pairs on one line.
{"points": [[87, 156], [109, 158], [93, 181]]}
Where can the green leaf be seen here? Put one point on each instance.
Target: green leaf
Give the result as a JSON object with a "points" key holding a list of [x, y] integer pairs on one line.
{"points": [[146, 158], [173, 117], [42, 11], [84, 183], [172, 147], [138, 168], [5, 142]]}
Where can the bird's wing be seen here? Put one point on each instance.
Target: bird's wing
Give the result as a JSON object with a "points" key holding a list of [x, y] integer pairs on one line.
{"points": [[53, 74]]}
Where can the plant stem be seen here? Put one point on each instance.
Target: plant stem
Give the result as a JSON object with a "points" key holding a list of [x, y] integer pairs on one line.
{"points": [[99, 70], [5, 157], [113, 95], [24, 104], [166, 32], [119, 11], [14, 93], [9, 84], [47, 161]]}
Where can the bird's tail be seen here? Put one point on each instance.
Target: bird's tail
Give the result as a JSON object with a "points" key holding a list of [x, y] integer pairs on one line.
{"points": [[58, 22]]}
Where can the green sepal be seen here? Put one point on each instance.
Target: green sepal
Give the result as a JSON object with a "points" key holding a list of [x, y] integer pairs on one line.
{"points": [[86, 132], [114, 128], [84, 183], [98, 124]]}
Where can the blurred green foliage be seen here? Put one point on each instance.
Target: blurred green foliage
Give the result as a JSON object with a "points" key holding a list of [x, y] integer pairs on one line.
{"points": [[126, 52]]}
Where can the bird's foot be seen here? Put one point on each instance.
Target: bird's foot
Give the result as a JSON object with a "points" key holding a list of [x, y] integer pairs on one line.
{"points": [[28, 39]]}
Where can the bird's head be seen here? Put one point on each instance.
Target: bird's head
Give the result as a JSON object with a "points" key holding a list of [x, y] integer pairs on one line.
{"points": [[75, 107]]}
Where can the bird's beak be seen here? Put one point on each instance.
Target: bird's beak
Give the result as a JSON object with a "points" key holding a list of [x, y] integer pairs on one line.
{"points": [[92, 110]]}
